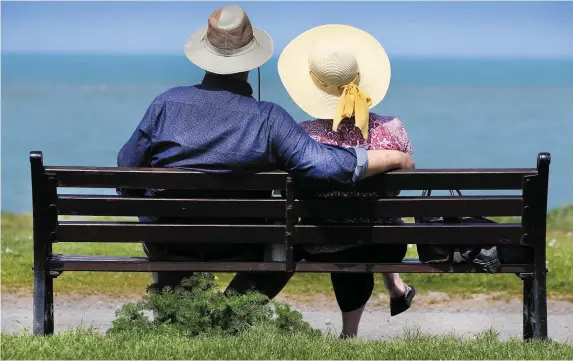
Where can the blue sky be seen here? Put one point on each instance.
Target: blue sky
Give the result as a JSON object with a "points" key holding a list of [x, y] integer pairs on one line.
{"points": [[484, 29]]}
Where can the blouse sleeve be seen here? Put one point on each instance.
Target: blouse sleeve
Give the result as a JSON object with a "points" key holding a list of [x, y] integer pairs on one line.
{"points": [[392, 136]]}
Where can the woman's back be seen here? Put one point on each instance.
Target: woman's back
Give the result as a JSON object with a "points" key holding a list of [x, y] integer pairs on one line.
{"points": [[384, 132]]}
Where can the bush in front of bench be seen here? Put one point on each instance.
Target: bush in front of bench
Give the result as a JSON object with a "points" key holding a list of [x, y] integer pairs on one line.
{"points": [[198, 307]]}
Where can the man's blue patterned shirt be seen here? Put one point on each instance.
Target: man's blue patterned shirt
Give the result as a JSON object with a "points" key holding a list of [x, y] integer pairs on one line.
{"points": [[217, 126]]}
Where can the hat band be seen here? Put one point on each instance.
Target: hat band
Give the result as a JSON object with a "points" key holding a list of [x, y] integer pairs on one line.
{"points": [[229, 52], [319, 83]]}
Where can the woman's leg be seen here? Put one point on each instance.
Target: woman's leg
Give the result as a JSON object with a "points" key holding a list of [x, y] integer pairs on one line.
{"points": [[401, 294], [394, 284], [352, 291]]}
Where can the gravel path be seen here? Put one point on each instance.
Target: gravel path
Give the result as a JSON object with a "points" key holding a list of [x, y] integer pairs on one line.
{"points": [[433, 313]]}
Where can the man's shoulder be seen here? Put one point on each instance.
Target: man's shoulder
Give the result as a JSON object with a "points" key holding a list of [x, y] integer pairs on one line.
{"points": [[273, 110], [270, 107], [179, 93]]}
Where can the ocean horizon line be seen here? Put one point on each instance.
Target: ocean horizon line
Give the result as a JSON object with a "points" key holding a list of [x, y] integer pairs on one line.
{"points": [[275, 57]]}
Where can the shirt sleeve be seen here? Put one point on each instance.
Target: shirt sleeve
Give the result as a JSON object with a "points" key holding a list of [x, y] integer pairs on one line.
{"points": [[136, 152], [298, 153], [404, 141]]}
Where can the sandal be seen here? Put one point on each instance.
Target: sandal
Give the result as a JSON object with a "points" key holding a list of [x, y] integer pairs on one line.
{"points": [[402, 303]]}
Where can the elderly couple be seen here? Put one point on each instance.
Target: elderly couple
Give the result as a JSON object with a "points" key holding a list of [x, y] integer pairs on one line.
{"points": [[335, 73]]}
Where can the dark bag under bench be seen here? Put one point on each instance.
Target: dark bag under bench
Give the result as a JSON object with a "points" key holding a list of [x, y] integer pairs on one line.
{"points": [[48, 204]]}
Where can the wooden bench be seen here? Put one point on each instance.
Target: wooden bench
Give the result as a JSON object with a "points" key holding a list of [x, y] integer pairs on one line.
{"points": [[48, 204]]}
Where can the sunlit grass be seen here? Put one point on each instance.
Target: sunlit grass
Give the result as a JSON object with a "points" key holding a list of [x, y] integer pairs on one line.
{"points": [[264, 344]]}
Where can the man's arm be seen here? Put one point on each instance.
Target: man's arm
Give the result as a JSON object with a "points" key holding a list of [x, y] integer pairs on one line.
{"points": [[380, 161], [137, 150], [403, 145], [297, 152]]}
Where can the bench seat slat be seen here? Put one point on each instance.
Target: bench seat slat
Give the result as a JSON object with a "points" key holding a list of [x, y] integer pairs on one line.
{"points": [[72, 231], [98, 205], [165, 178], [142, 264]]}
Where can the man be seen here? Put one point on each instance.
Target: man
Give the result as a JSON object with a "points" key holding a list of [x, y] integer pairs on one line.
{"points": [[217, 126]]}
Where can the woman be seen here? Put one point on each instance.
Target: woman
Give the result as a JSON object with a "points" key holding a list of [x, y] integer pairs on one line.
{"points": [[336, 73]]}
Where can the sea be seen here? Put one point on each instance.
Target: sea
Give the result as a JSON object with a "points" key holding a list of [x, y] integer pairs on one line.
{"points": [[458, 112]]}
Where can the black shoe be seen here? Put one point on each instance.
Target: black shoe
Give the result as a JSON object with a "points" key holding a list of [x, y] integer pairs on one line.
{"points": [[402, 303]]}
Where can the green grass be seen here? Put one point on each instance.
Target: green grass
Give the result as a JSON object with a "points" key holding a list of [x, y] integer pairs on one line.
{"points": [[17, 262], [262, 344]]}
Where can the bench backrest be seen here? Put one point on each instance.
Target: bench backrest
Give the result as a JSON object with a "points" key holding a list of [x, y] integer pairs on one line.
{"points": [[248, 217]]}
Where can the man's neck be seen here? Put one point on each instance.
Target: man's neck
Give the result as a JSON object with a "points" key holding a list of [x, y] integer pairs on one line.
{"points": [[232, 83], [243, 76]]}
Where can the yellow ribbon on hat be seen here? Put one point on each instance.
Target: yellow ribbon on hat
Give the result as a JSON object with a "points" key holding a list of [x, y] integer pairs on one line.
{"points": [[353, 101]]}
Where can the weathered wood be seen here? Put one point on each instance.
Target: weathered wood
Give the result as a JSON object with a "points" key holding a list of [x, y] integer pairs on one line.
{"points": [[166, 178], [141, 264], [124, 232], [86, 231], [99, 205], [163, 178]]}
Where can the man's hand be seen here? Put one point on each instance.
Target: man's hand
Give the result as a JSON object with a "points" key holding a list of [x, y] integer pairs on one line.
{"points": [[380, 161]]}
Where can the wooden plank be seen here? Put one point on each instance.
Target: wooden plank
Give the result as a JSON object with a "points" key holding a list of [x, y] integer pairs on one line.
{"points": [[94, 205], [439, 179], [140, 264], [166, 178], [308, 234], [163, 178], [479, 234], [122, 232], [98, 205], [410, 207]]}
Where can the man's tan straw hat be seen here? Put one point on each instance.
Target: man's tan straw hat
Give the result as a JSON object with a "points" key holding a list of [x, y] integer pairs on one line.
{"points": [[229, 43], [329, 65]]}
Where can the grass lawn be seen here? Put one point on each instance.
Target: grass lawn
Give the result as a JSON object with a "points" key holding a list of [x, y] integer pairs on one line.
{"points": [[268, 345], [17, 262]]}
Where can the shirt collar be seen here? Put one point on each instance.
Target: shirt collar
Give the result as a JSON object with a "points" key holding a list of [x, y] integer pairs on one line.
{"points": [[222, 82]]}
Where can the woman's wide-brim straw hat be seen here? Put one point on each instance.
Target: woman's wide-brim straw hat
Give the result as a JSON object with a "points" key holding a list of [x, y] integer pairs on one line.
{"points": [[317, 64], [229, 43]]}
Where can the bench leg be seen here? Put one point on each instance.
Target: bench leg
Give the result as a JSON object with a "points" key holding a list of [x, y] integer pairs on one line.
{"points": [[43, 303], [539, 305], [527, 307]]}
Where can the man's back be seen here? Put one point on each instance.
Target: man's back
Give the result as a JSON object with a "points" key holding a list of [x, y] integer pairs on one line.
{"points": [[209, 129]]}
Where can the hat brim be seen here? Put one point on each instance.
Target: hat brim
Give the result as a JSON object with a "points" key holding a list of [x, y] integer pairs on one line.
{"points": [[198, 53], [373, 64]]}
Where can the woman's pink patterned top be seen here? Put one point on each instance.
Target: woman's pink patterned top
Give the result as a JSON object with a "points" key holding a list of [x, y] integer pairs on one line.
{"points": [[384, 132]]}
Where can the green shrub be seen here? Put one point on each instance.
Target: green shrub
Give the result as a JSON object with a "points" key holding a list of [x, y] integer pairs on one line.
{"points": [[198, 308]]}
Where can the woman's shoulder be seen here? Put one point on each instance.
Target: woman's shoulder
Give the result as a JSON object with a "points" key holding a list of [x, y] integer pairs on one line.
{"points": [[389, 123], [381, 120]]}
